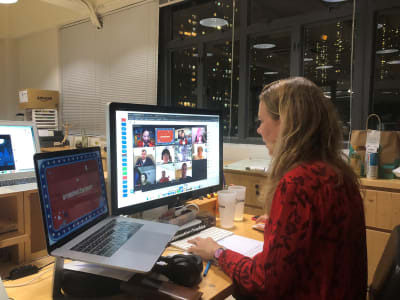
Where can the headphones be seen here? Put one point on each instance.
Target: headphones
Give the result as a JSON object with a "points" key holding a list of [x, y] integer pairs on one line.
{"points": [[182, 269]]}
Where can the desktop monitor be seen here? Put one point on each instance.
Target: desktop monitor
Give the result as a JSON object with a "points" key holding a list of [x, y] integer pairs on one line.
{"points": [[18, 143], [161, 155]]}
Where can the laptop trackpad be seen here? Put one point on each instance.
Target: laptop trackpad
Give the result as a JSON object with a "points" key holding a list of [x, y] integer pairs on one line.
{"points": [[148, 242]]}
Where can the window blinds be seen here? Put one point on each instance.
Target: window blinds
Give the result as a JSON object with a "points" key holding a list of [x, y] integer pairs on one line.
{"points": [[115, 64]]}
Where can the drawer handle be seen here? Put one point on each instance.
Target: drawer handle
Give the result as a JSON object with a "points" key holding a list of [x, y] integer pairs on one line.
{"points": [[257, 186], [257, 193], [371, 200]]}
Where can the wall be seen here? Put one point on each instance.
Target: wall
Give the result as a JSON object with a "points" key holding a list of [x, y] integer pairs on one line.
{"points": [[38, 56], [235, 152], [8, 79]]}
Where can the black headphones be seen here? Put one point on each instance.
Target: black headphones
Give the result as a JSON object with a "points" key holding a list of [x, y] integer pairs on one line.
{"points": [[182, 269]]}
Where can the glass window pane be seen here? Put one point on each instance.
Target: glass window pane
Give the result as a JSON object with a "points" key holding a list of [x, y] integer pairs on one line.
{"points": [[327, 52], [184, 77], [262, 11], [200, 18], [219, 77], [269, 57], [386, 92]]}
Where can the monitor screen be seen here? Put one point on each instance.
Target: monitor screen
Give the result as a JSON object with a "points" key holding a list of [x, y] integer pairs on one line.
{"points": [[161, 155], [18, 144]]}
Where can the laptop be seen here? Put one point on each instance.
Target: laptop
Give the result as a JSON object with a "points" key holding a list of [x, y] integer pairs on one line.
{"points": [[76, 217], [18, 143]]}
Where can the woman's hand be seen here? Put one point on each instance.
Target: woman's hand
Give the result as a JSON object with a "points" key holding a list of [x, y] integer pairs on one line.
{"points": [[204, 247], [262, 219]]}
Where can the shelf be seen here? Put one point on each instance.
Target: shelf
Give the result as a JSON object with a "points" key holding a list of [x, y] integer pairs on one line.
{"points": [[12, 238]]}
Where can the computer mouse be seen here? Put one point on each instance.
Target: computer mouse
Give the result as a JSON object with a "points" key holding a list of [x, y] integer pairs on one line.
{"points": [[182, 269]]}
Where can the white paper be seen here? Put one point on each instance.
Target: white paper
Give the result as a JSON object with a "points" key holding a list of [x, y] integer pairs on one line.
{"points": [[3, 293], [23, 96], [246, 246], [99, 270], [45, 132]]}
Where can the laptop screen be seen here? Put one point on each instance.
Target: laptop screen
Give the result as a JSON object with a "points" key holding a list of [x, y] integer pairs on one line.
{"points": [[72, 190], [18, 144]]}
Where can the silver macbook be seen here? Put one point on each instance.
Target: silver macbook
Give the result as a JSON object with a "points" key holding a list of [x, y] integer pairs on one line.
{"points": [[76, 215], [18, 143]]}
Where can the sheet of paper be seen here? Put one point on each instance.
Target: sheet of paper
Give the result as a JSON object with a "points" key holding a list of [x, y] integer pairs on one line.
{"points": [[99, 270], [242, 245]]}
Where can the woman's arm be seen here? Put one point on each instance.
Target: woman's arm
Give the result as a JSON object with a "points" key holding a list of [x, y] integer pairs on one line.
{"points": [[286, 237]]}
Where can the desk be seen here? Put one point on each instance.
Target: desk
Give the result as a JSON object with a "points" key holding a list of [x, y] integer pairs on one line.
{"points": [[216, 285]]}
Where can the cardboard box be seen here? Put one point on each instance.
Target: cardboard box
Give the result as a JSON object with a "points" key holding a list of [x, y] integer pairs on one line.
{"points": [[34, 98]]}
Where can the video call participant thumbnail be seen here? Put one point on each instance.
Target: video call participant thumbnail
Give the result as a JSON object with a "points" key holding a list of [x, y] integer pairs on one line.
{"points": [[144, 137], [165, 154], [165, 173], [165, 136], [199, 135], [183, 153], [183, 136], [200, 152], [144, 159], [183, 172], [145, 177]]}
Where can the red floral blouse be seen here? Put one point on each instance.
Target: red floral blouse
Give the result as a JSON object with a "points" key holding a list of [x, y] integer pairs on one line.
{"points": [[314, 242]]}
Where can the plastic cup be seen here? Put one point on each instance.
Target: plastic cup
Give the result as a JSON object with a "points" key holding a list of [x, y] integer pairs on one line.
{"points": [[226, 207], [240, 198]]}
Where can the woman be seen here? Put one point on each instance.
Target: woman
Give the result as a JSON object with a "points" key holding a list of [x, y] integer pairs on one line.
{"points": [[165, 156], [199, 154], [314, 240]]}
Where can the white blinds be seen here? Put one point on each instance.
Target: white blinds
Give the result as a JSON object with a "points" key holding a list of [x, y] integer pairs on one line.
{"points": [[115, 64]]}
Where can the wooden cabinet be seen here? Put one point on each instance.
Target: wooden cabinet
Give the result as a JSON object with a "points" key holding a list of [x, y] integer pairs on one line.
{"points": [[21, 226], [254, 182], [382, 213]]}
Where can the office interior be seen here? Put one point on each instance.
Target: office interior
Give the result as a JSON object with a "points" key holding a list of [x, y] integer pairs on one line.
{"points": [[205, 54]]}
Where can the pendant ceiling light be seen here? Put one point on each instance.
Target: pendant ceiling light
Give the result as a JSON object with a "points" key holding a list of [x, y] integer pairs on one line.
{"points": [[213, 22], [264, 46], [333, 1], [394, 62], [8, 1]]}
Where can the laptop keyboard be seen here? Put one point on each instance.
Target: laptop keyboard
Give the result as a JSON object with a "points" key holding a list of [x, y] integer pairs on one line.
{"points": [[108, 239], [17, 181]]}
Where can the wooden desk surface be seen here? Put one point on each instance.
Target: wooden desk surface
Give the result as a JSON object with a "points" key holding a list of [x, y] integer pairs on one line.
{"points": [[216, 285]]}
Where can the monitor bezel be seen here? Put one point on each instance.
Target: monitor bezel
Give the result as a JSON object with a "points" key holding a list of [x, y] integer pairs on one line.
{"points": [[112, 157], [37, 147]]}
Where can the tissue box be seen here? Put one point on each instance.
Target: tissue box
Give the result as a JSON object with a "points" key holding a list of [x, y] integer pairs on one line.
{"points": [[35, 98]]}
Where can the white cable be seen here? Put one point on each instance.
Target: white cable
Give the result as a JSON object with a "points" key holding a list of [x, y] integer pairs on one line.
{"points": [[28, 282]]}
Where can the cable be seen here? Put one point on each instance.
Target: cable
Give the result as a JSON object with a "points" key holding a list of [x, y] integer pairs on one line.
{"points": [[28, 282], [42, 267]]}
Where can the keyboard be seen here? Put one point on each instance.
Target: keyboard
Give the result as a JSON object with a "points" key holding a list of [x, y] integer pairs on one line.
{"points": [[9, 182], [213, 232], [108, 239]]}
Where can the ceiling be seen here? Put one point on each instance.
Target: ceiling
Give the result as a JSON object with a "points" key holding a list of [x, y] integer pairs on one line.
{"points": [[29, 16]]}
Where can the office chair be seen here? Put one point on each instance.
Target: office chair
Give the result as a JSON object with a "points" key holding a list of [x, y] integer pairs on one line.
{"points": [[386, 282]]}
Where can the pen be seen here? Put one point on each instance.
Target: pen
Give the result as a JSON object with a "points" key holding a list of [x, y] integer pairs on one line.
{"points": [[207, 267]]}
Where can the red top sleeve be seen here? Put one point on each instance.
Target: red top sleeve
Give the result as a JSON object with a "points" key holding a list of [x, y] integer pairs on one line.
{"points": [[314, 242]]}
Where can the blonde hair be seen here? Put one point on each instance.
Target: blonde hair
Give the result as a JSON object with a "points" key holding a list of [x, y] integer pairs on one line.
{"points": [[310, 130]]}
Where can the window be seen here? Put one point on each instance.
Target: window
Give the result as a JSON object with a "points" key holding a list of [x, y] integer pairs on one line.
{"points": [[326, 61], [386, 87], [272, 40], [269, 60], [184, 77], [219, 79]]}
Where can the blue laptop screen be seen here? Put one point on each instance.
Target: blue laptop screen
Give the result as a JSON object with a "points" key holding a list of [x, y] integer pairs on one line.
{"points": [[73, 192]]}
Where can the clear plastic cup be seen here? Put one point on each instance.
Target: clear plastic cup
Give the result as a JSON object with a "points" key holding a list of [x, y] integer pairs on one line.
{"points": [[226, 207], [240, 199]]}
